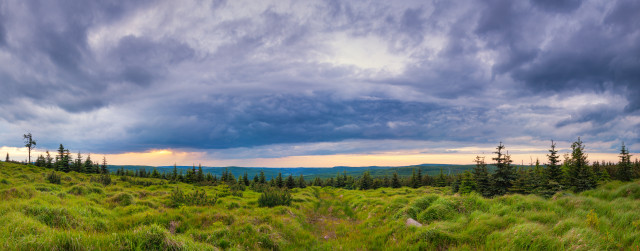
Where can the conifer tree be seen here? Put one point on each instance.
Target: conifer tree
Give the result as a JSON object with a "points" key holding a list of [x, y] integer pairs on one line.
{"points": [[520, 183], [245, 179], [504, 175], [366, 181], [554, 172], [290, 183], [441, 181], [256, 179], [301, 182], [580, 176], [88, 164], [49, 160], [481, 177], [104, 169], [200, 176], [262, 178], [625, 169], [7, 158], [395, 181], [279, 181], [174, 175], [317, 182], [467, 183], [77, 164], [414, 181]]}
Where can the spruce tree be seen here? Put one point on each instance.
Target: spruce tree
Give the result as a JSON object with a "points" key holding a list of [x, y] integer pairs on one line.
{"points": [[103, 168], [290, 183], [174, 175], [441, 181], [625, 169], [395, 181], [467, 183], [245, 179], [554, 172], [301, 182], [580, 176], [279, 181], [262, 178], [481, 177], [49, 160], [7, 158], [504, 175], [520, 183], [366, 182], [77, 164], [200, 176]]}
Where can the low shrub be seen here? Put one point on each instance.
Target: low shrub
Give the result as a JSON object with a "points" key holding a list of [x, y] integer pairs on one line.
{"points": [[104, 179], [121, 199], [197, 198], [274, 197], [54, 178]]}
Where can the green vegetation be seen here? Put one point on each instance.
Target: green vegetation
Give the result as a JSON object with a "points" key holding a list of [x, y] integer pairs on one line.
{"points": [[83, 213]]}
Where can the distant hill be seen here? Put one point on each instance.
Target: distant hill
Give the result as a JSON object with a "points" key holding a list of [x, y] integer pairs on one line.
{"points": [[310, 172]]}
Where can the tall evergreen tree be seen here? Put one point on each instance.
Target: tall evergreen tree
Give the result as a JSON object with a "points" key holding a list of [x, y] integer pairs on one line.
{"points": [[245, 179], [279, 181], [366, 181], [290, 183], [174, 175], [49, 160], [504, 175], [104, 169], [200, 175], [62, 159], [395, 180], [441, 181], [301, 182], [554, 171], [77, 164], [467, 183], [7, 158], [88, 164], [625, 168], [580, 176], [263, 179], [481, 177]]}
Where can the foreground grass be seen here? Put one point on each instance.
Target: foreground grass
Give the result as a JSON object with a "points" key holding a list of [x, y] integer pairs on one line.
{"points": [[83, 215]]}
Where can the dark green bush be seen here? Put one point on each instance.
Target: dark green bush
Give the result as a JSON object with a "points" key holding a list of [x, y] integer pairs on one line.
{"points": [[104, 179], [197, 198], [275, 197], [54, 178]]}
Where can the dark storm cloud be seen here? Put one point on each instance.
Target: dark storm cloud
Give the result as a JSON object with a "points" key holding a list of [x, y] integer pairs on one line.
{"points": [[226, 74]]}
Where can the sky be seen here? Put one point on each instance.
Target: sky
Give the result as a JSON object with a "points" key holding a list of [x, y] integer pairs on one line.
{"points": [[319, 83]]}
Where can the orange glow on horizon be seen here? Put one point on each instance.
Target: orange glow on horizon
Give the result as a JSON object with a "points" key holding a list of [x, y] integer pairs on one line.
{"points": [[167, 157]]}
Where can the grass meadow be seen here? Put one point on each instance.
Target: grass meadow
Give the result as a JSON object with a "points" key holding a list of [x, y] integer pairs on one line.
{"points": [[137, 214]]}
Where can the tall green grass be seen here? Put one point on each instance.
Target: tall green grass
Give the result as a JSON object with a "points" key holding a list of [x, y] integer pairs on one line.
{"points": [[84, 213]]}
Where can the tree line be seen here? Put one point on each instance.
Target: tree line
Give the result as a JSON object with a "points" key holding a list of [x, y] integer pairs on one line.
{"points": [[573, 173]]}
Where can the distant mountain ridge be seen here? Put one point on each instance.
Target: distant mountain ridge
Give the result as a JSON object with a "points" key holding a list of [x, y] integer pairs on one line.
{"points": [[312, 172]]}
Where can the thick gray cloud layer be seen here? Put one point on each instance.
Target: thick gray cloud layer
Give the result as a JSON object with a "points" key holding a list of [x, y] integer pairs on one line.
{"points": [[130, 76]]}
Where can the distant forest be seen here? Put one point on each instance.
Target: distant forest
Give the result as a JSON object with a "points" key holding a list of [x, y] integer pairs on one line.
{"points": [[574, 172]]}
